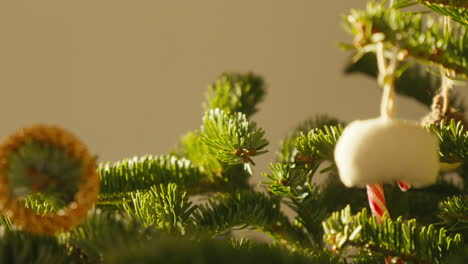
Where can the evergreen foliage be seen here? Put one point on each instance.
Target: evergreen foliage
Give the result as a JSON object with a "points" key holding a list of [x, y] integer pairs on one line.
{"points": [[232, 138], [288, 149], [318, 145], [456, 9], [234, 92], [454, 213], [397, 238], [177, 250], [137, 174], [423, 39], [185, 206], [453, 142], [243, 209], [21, 247], [196, 151], [105, 231], [164, 207]]}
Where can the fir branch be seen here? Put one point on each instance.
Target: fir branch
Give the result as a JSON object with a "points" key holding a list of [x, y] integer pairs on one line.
{"points": [[232, 138], [404, 3], [366, 259], [288, 180], [129, 175], [451, 3], [404, 240], [453, 141], [220, 177], [165, 207], [318, 145], [176, 250], [235, 92], [241, 243], [42, 203], [295, 184], [456, 9], [247, 208], [454, 214], [421, 39], [104, 231], [5, 222], [311, 203], [17, 247], [421, 204], [192, 148], [288, 150]]}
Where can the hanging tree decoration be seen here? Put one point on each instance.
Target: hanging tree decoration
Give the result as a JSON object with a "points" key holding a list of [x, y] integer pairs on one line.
{"points": [[51, 161], [386, 149], [441, 109]]}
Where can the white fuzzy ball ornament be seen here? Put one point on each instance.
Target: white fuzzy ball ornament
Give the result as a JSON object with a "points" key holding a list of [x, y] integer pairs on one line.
{"points": [[385, 150]]}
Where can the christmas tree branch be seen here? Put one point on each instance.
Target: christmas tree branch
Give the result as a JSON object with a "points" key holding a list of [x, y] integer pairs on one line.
{"points": [[453, 141], [417, 202], [220, 177], [235, 92], [177, 250], [413, 36], [232, 138], [248, 208], [164, 207], [318, 145], [451, 3], [138, 174], [192, 148], [18, 247], [454, 214], [105, 231], [294, 184], [288, 150], [40, 203], [455, 9], [396, 238]]}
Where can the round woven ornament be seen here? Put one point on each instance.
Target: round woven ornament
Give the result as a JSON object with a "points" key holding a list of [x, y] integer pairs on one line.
{"points": [[82, 200]]}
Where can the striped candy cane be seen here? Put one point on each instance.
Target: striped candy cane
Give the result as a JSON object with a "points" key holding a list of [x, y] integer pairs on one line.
{"points": [[375, 194], [376, 197]]}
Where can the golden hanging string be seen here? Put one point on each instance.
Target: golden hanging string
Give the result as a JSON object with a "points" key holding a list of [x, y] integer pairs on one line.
{"points": [[386, 80]]}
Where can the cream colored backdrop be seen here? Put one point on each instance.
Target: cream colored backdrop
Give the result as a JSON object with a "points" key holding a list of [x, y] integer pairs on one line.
{"points": [[128, 77]]}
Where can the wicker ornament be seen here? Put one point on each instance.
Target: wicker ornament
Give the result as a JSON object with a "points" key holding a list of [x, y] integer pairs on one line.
{"points": [[85, 197]]}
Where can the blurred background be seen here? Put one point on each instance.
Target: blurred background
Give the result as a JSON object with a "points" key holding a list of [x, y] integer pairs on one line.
{"points": [[129, 77]]}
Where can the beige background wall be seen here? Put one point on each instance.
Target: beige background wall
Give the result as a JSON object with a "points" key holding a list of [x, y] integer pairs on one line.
{"points": [[128, 77]]}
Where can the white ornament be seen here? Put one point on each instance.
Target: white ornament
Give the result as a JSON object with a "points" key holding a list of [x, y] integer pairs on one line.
{"points": [[384, 150]]}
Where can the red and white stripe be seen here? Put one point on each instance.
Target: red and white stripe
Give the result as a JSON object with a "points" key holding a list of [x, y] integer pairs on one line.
{"points": [[404, 186], [375, 194]]}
